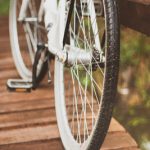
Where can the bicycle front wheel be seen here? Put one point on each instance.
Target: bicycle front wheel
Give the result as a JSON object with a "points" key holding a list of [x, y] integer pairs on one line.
{"points": [[85, 93]]}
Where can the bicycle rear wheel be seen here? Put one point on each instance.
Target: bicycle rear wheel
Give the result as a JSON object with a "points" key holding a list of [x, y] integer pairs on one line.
{"points": [[85, 94], [24, 37]]}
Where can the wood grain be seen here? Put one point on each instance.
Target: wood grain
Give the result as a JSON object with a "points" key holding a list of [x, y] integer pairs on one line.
{"points": [[135, 14]]}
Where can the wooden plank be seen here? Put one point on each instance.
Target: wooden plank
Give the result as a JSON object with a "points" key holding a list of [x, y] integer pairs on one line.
{"points": [[4, 39], [8, 74], [5, 54], [6, 63], [4, 20], [7, 60], [48, 132], [26, 105], [117, 141], [135, 16], [40, 94], [145, 2], [36, 145], [113, 141], [46, 145], [115, 126], [37, 117], [27, 119]]}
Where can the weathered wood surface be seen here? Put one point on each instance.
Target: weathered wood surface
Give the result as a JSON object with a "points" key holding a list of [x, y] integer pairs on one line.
{"points": [[135, 14], [27, 120], [145, 2]]}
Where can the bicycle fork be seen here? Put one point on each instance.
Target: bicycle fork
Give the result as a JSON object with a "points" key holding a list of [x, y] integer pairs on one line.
{"points": [[55, 21]]}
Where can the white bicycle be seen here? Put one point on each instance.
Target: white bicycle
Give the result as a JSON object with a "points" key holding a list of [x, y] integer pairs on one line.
{"points": [[83, 37]]}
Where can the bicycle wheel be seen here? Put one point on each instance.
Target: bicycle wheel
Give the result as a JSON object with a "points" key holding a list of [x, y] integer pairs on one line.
{"points": [[24, 37], [85, 94]]}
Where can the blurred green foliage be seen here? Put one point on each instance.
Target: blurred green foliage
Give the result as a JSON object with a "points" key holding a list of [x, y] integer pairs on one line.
{"points": [[135, 52], [4, 6], [134, 47], [133, 110]]}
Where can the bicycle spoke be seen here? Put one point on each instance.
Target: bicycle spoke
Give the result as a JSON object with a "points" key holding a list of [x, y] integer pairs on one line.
{"points": [[85, 41], [84, 80], [87, 71]]}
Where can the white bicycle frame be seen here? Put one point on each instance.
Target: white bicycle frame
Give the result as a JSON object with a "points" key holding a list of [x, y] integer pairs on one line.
{"points": [[55, 19]]}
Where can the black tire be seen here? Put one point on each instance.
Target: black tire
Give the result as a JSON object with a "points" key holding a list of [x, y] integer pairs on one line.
{"points": [[112, 54], [111, 75], [36, 79]]}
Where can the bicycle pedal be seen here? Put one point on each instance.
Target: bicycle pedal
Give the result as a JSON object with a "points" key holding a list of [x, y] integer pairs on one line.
{"points": [[19, 85]]}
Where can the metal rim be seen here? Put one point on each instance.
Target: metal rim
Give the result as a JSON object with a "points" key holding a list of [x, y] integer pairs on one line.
{"points": [[61, 110]]}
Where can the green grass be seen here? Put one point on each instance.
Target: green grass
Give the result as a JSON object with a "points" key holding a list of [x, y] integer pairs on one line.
{"points": [[4, 7]]}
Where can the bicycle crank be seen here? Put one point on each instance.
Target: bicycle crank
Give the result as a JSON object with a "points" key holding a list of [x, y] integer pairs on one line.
{"points": [[40, 65]]}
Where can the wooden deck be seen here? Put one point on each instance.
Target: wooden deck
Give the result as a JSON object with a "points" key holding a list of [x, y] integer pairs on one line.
{"points": [[27, 120]]}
